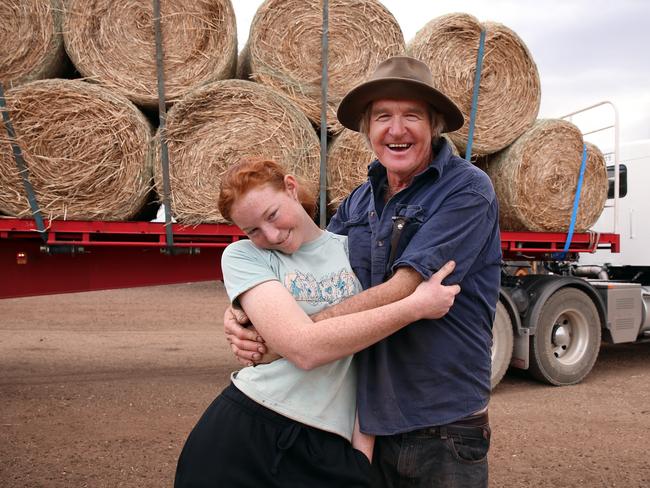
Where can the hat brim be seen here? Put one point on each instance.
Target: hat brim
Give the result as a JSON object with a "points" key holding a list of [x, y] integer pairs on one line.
{"points": [[355, 102]]}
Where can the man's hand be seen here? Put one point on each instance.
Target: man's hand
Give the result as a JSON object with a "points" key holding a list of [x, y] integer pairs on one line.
{"points": [[246, 344]]}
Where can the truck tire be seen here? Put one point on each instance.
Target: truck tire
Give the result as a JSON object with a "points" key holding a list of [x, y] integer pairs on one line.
{"points": [[567, 338], [502, 340]]}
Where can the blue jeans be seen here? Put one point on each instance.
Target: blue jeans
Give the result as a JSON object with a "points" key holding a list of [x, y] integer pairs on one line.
{"points": [[451, 456]]}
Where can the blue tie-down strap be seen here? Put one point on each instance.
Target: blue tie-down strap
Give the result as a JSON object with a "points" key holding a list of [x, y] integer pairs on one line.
{"points": [[576, 202], [477, 82], [22, 166]]}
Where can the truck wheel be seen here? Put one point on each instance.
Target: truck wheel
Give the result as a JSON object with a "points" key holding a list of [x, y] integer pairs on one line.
{"points": [[567, 338], [502, 339]]}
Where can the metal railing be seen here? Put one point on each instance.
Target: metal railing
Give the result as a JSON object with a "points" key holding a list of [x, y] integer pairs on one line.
{"points": [[615, 127]]}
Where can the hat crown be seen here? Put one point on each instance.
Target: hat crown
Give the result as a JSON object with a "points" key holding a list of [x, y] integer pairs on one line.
{"points": [[398, 78], [403, 67]]}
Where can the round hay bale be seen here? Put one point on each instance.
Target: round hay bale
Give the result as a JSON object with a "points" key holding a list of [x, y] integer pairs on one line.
{"points": [[112, 42], [31, 40], [536, 179], [217, 124], [509, 93], [284, 49], [348, 158], [597, 170], [88, 151]]}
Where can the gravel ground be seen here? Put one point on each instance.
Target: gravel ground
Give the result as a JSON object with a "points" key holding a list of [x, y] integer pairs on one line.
{"points": [[100, 389]]}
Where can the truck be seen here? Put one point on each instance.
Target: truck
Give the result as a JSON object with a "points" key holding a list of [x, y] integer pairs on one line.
{"points": [[556, 309], [559, 297]]}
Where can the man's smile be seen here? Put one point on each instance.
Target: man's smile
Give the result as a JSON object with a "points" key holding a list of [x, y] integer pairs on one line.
{"points": [[399, 147]]}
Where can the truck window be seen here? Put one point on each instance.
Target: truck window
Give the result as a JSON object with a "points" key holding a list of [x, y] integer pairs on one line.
{"points": [[622, 189]]}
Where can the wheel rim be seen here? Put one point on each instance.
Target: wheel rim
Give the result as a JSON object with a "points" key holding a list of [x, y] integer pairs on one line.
{"points": [[570, 337]]}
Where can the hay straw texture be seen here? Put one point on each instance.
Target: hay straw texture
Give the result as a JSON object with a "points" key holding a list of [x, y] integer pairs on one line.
{"points": [[31, 41], [509, 94], [348, 158], [536, 179], [218, 124], [112, 42], [284, 49], [88, 152]]}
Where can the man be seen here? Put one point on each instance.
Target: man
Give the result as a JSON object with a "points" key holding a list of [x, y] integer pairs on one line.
{"points": [[424, 390]]}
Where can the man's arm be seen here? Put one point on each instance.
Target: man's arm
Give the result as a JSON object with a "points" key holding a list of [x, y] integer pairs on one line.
{"points": [[401, 284], [249, 348], [291, 332]]}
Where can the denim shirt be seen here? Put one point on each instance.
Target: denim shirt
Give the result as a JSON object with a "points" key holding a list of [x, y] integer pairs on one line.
{"points": [[431, 372]]}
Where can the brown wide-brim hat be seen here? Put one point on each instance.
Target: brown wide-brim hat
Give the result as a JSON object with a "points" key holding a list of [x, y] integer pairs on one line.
{"points": [[398, 78]]}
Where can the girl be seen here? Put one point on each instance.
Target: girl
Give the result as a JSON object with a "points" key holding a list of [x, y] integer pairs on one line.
{"points": [[292, 422]]}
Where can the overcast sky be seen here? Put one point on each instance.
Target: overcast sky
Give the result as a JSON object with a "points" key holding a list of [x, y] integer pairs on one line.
{"points": [[586, 51]]}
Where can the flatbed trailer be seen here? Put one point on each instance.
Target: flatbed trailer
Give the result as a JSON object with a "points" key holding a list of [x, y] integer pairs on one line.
{"points": [[76, 256]]}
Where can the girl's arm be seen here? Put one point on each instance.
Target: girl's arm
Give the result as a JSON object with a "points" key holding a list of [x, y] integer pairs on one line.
{"points": [[248, 345], [289, 331]]}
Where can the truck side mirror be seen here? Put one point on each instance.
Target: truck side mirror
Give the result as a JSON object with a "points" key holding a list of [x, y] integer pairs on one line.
{"points": [[622, 181]]}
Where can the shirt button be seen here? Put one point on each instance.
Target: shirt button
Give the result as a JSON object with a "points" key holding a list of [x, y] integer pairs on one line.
{"points": [[372, 213], [380, 243]]}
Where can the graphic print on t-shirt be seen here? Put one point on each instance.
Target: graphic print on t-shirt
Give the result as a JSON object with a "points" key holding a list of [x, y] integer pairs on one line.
{"points": [[331, 289]]}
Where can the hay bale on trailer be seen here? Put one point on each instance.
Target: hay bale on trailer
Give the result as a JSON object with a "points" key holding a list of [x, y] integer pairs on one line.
{"points": [[217, 124], [31, 40], [112, 42], [536, 179], [510, 93], [88, 152], [348, 158], [284, 49]]}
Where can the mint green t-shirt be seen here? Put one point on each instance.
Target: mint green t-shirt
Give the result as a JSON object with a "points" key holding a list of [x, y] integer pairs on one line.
{"points": [[318, 275]]}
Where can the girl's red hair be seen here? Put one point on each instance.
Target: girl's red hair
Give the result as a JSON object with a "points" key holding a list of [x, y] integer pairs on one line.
{"points": [[251, 172]]}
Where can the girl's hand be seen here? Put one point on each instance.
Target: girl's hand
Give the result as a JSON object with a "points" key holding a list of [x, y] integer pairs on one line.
{"points": [[431, 298]]}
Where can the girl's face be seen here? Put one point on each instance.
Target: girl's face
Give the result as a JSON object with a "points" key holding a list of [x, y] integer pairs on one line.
{"points": [[272, 218]]}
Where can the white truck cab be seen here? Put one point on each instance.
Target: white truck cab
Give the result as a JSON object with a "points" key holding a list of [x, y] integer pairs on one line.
{"points": [[633, 219]]}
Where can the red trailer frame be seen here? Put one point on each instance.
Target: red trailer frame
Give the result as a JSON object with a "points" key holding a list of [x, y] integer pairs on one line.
{"points": [[541, 246], [93, 255], [96, 255]]}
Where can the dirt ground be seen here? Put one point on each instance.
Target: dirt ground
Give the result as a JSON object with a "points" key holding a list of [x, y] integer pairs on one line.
{"points": [[100, 389]]}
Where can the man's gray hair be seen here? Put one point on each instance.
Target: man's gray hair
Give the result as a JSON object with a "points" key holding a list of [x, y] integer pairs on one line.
{"points": [[436, 119]]}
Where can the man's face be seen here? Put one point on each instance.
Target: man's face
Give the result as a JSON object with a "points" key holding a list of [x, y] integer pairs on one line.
{"points": [[400, 134]]}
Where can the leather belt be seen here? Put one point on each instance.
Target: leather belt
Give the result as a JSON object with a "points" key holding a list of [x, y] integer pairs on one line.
{"points": [[477, 426]]}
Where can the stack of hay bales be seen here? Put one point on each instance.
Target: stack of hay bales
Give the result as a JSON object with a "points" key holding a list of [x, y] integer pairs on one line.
{"points": [[284, 49], [213, 121], [217, 124], [87, 149]]}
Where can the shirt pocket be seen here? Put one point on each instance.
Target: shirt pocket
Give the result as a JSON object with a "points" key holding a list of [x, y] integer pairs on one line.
{"points": [[413, 217]]}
